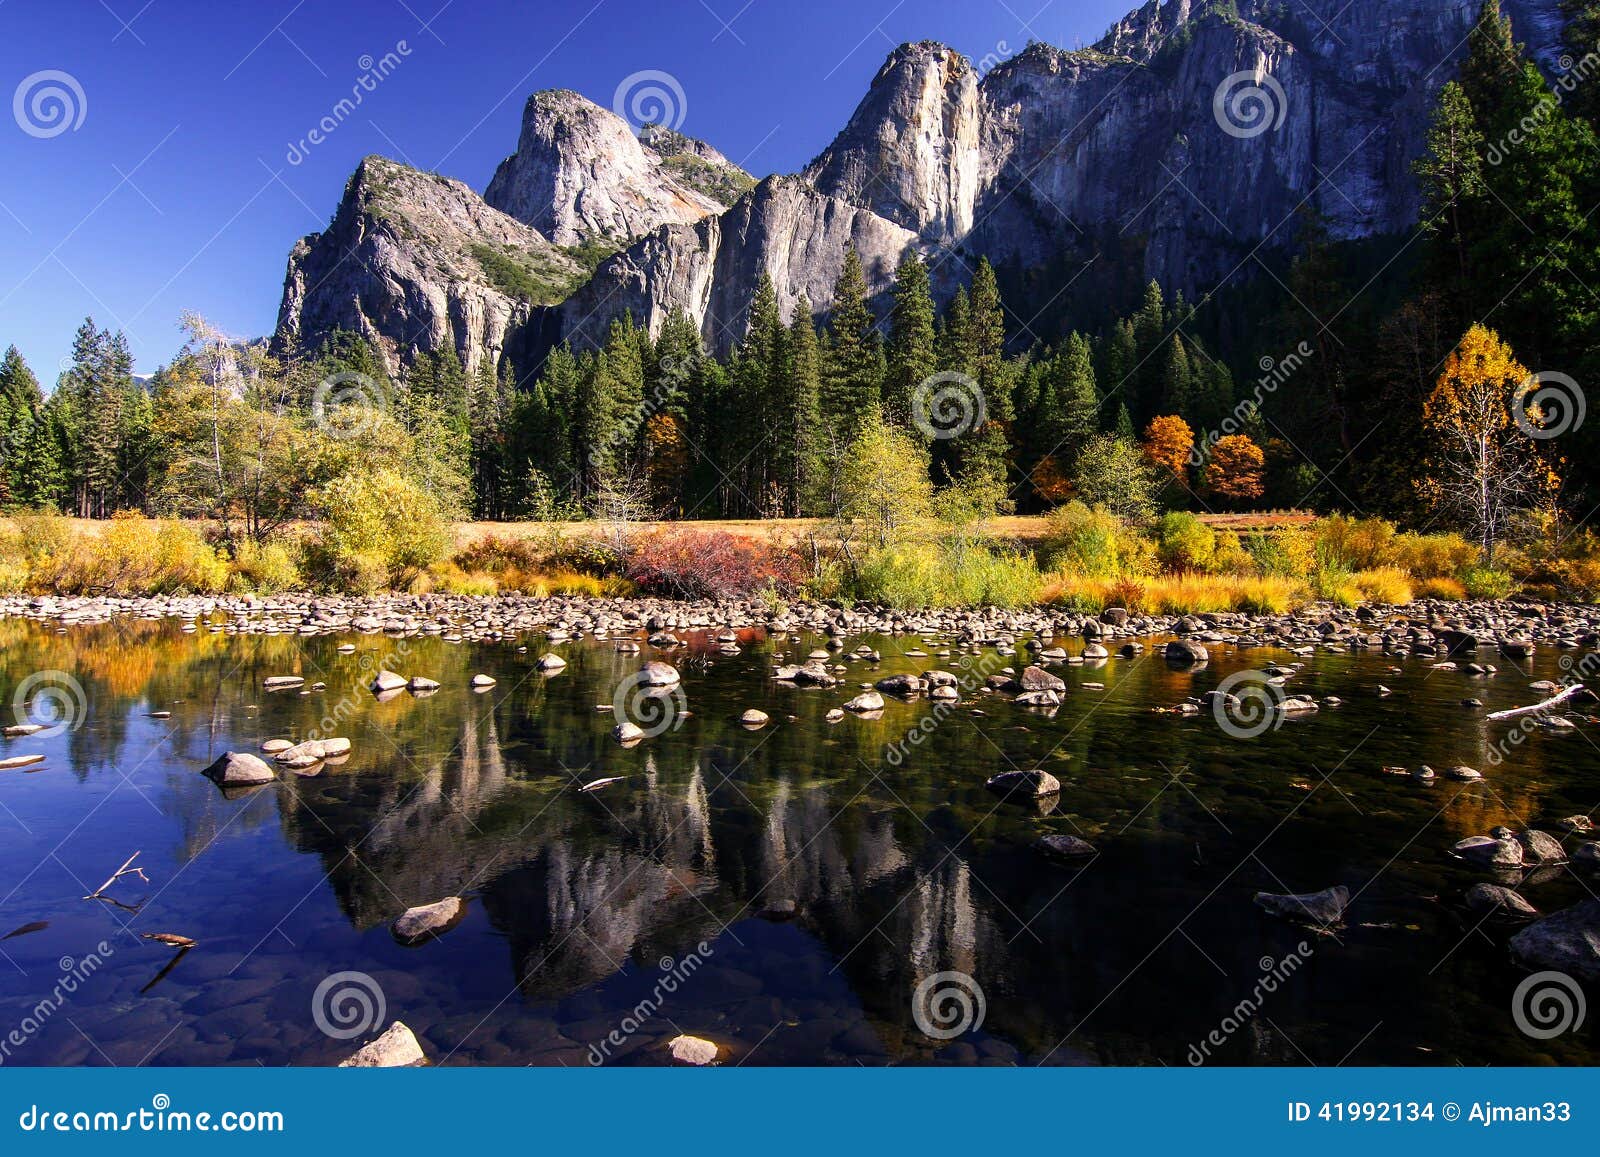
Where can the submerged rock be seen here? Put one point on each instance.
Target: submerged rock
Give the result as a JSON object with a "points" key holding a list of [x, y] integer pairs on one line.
{"points": [[1568, 941], [1541, 848], [1030, 783], [658, 674], [1493, 899], [1324, 908], [1064, 847], [1187, 653]]}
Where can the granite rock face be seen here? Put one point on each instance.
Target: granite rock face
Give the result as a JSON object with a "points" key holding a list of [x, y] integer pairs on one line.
{"points": [[414, 261], [580, 174], [1187, 139]]}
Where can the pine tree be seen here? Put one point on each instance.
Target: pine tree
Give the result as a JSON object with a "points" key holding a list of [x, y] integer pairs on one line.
{"points": [[804, 410], [1451, 175], [852, 370], [1177, 380], [912, 355]]}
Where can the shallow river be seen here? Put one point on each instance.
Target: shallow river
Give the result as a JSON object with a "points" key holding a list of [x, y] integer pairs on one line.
{"points": [[782, 892]]}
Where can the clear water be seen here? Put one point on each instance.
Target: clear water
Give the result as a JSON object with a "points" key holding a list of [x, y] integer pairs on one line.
{"points": [[895, 872]]}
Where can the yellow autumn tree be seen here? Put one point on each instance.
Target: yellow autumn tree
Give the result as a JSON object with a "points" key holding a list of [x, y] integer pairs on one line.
{"points": [[1236, 469], [1169, 443], [1488, 464]]}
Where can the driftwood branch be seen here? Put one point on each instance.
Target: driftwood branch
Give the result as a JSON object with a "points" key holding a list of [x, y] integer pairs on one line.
{"points": [[1538, 707], [127, 869]]}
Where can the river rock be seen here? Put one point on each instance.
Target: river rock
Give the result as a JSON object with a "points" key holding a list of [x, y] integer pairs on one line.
{"points": [[627, 732], [425, 921], [1495, 900], [1064, 847], [1187, 653], [1465, 774], [239, 769], [866, 701], [1038, 679], [1568, 941], [397, 1048], [754, 718], [550, 662], [900, 685], [1324, 908], [1031, 783], [1489, 852], [692, 1050], [1541, 848], [387, 681], [483, 681], [655, 673], [422, 683]]}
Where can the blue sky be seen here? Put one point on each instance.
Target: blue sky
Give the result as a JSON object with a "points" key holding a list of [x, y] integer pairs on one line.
{"points": [[168, 186]]}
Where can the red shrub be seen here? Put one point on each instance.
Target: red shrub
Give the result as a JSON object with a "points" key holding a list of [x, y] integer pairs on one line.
{"points": [[693, 564]]}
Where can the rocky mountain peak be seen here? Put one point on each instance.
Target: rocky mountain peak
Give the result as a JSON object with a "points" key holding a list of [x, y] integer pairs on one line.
{"points": [[417, 261], [581, 176]]}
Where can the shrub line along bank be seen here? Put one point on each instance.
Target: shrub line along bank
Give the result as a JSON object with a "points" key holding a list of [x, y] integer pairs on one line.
{"points": [[1086, 559]]}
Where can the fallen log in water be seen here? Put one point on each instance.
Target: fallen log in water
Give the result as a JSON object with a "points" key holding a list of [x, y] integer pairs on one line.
{"points": [[1538, 707]]}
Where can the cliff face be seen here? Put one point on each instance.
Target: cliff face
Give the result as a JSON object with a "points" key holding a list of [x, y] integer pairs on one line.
{"points": [[1195, 130], [414, 261], [581, 175]]}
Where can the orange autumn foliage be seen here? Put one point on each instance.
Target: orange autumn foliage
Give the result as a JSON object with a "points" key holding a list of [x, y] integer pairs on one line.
{"points": [[1169, 443], [1236, 469]]}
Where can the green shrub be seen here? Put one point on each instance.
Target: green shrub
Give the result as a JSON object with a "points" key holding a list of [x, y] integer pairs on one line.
{"points": [[1186, 545], [381, 530], [1093, 543], [1482, 582]]}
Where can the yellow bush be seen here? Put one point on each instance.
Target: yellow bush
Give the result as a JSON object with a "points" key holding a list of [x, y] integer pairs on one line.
{"points": [[1442, 588], [1384, 585], [1426, 556], [1355, 543], [264, 568], [133, 555], [447, 578]]}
